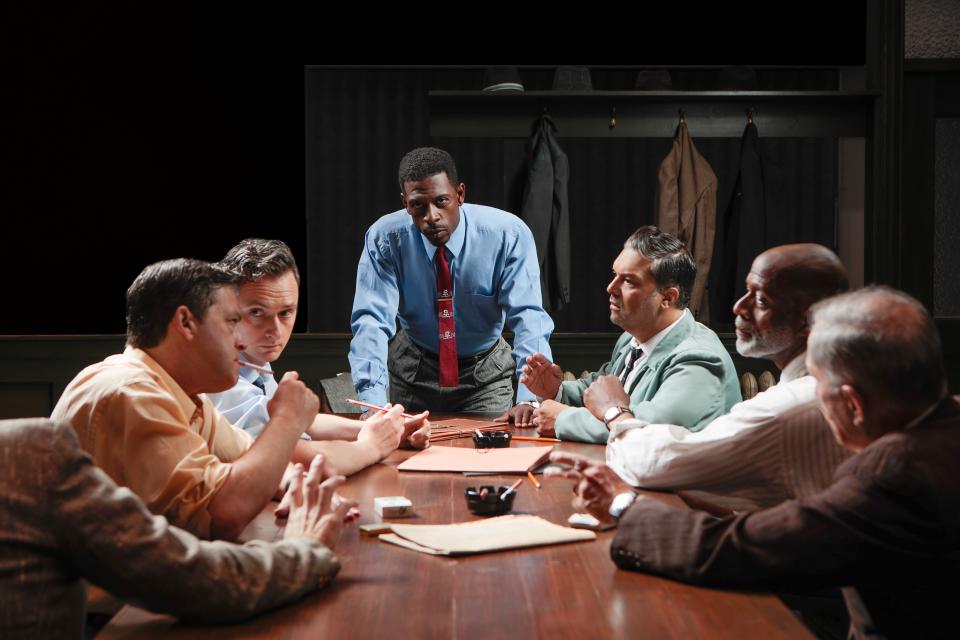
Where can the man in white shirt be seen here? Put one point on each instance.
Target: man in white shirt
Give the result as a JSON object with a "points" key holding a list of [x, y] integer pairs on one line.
{"points": [[269, 294], [768, 449]]}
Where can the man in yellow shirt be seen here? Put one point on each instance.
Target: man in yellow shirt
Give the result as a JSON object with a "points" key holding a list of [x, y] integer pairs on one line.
{"points": [[143, 417]]}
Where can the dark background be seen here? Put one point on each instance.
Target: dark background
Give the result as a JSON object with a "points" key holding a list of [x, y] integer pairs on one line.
{"points": [[360, 122], [142, 134]]}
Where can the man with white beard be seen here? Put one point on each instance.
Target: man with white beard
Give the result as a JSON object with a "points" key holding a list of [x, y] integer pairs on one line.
{"points": [[768, 449]]}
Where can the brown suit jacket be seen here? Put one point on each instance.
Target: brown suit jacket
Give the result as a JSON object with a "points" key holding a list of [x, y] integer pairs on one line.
{"points": [[63, 519], [887, 531], [687, 208]]}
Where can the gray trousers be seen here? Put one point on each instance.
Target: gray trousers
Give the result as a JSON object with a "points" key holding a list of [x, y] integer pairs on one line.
{"points": [[486, 379]]}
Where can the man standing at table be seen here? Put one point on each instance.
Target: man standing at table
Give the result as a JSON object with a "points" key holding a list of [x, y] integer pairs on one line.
{"points": [[452, 274], [887, 530], [674, 369], [269, 296]]}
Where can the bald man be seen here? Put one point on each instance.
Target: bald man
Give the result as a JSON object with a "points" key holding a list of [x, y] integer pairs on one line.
{"points": [[887, 530], [768, 449]]}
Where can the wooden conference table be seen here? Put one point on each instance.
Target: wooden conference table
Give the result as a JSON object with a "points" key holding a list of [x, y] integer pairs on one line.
{"points": [[561, 591]]}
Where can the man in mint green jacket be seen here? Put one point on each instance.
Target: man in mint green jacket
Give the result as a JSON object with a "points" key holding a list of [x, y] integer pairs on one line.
{"points": [[674, 369]]}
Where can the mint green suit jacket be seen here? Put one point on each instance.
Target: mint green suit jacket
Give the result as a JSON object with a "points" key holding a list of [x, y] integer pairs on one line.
{"points": [[688, 380]]}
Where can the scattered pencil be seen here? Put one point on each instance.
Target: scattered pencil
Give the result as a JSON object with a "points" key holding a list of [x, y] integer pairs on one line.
{"points": [[250, 365], [373, 406], [533, 480], [440, 434], [530, 439], [503, 496]]}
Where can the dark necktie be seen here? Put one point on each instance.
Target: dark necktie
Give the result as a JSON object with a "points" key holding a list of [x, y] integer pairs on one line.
{"points": [[258, 383], [629, 363], [449, 369]]}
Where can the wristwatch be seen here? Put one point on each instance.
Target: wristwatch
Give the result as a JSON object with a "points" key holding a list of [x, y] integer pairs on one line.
{"points": [[620, 503], [615, 412]]}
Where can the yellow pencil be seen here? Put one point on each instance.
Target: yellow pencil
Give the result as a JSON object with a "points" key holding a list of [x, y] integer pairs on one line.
{"points": [[533, 480]]}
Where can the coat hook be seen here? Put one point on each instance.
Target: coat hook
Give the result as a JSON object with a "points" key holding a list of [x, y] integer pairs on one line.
{"points": [[613, 118], [682, 119], [750, 115]]}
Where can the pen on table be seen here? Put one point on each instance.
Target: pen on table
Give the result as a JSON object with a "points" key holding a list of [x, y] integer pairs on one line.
{"points": [[529, 439], [258, 369], [373, 406], [503, 496], [533, 480]]}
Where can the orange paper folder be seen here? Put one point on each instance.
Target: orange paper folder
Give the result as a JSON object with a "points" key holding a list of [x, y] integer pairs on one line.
{"points": [[459, 459]]}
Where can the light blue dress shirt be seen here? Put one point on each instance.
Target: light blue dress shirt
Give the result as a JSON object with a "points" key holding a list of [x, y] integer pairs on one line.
{"points": [[245, 405], [496, 282]]}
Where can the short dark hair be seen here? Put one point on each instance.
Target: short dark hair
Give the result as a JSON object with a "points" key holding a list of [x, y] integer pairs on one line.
{"points": [[424, 162], [880, 340], [162, 287], [672, 265], [255, 258]]}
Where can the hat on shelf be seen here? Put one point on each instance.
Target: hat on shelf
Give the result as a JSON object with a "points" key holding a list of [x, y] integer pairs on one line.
{"points": [[502, 79]]}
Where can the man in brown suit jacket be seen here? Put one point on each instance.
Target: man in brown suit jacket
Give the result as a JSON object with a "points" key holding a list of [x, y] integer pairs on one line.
{"points": [[887, 530], [62, 519]]}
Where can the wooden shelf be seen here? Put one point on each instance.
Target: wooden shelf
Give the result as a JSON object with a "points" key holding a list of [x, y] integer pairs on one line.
{"points": [[651, 114]]}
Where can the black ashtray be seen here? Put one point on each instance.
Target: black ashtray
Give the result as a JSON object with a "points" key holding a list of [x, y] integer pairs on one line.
{"points": [[490, 504], [492, 439]]}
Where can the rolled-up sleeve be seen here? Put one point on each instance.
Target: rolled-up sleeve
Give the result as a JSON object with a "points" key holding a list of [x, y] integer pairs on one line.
{"points": [[373, 320], [520, 296]]}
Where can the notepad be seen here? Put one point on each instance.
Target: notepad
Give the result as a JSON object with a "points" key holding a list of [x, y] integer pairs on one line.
{"points": [[481, 536], [513, 460]]}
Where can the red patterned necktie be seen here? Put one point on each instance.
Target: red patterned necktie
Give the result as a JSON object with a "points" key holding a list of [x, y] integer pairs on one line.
{"points": [[449, 370]]}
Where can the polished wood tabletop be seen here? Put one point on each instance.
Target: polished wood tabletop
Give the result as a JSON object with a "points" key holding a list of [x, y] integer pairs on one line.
{"points": [[562, 591]]}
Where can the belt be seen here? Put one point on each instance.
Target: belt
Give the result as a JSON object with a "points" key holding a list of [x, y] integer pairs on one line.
{"points": [[467, 360]]}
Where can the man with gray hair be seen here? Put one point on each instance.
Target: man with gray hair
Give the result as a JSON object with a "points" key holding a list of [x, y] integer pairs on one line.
{"points": [[665, 368], [887, 530]]}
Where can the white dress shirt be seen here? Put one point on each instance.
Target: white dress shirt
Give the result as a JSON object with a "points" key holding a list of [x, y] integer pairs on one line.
{"points": [[245, 404], [647, 348], [768, 449]]}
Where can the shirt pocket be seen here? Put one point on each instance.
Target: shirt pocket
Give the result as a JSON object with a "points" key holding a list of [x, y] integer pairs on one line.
{"points": [[482, 311]]}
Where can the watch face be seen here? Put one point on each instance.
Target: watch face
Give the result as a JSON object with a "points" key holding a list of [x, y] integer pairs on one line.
{"points": [[612, 413]]}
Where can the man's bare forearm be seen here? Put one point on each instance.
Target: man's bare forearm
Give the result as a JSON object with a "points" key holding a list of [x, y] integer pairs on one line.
{"points": [[253, 479], [329, 427], [342, 458]]}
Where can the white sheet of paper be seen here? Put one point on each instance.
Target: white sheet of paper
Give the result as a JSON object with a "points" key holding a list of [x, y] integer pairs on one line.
{"points": [[480, 536]]}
